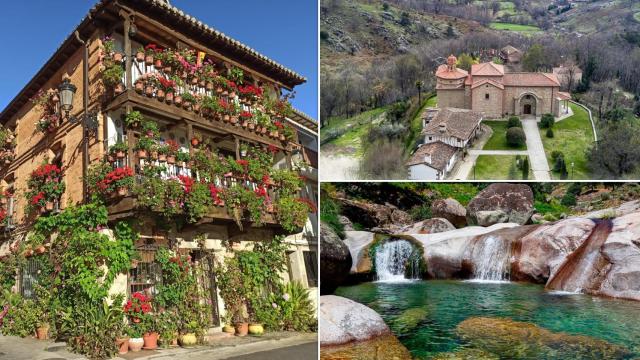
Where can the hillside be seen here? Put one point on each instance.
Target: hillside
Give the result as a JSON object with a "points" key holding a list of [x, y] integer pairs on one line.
{"points": [[602, 16]]}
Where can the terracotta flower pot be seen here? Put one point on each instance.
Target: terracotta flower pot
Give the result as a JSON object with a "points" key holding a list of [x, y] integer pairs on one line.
{"points": [[195, 142], [171, 159], [148, 59], [49, 205], [229, 329], [139, 56], [139, 87], [282, 137], [162, 157], [203, 83], [242, 329], [42, 332], [142, 154], [252, 126], [263, 130], [122, 191], [219, 90], [234, 119], [118, 89], [226, 117], [135, 344], [154, 155], [123, 345], [232, 94], [196, 107], [157, 64], [41, 249], [148, 90], [178, 100], [160, 94], [3, 201], [166, 69], [120, 154], [150, 340], [169, 97], [194, 81], [117, 57]]}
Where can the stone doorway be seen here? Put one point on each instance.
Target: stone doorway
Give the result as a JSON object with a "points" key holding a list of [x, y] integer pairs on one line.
{"points": [[526, 109]]}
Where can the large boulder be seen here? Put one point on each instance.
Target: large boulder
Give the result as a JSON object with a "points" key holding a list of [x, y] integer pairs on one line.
{"points": [[348, 225], [622, 251], [501, 202], [358, 243], [387, 217], [435, 225], [335, 260], [538, 255], [451, 210], [343, 320], [353, 331]]}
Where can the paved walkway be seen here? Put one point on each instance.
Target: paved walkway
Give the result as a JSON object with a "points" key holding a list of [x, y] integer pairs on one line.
{"points": [[498, 152], [535, 149]]}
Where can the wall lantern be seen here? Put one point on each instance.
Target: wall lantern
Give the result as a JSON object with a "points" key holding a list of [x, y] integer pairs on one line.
{"points": [[67, 90]]}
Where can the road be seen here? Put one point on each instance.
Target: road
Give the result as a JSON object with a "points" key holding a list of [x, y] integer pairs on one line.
{"points": [[307, 351]]}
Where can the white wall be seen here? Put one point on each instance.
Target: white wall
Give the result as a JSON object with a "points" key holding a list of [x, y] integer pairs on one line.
{"points": [[422, 172]]}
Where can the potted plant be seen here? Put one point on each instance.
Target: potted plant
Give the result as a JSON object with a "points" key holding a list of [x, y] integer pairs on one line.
{"points": [[188, 338], [143, 147], [42, 331], [195, 140], [188, 100], [118, 150], [173, 150], [256, 329], [244, 149], [136, 342], [112, 77], [118, 181], [150, 52], [163, 150], [183, 158], [133, 119], [122, 342], [150, 129], [150, 335], [140, 54]]}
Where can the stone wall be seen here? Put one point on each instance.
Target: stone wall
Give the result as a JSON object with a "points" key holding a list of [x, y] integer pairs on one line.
{"points": [[491, 107], [451, 98], [544, 104]]}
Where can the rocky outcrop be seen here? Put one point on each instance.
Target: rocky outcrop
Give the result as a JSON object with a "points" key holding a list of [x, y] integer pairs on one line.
{"points": [[451, 210], [335, 260], [624, 209], [501, 202], [538, 254], [358, 243], [430, 226], [520, 340], [353, 331], [348, 225], [384, 218], [622, 251]]}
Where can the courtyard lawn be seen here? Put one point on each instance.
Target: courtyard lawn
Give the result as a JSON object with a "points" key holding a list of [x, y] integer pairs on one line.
{"points": [[574, 137], [497, 167], [514, 27], [498, 140]]}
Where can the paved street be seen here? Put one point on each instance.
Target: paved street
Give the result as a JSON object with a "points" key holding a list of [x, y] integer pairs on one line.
{"points": [[537, 157], [307, 351]]}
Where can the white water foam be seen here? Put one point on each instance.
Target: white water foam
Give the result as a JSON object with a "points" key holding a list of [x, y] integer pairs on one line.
{"points": [[392, 260], [491, 260]]}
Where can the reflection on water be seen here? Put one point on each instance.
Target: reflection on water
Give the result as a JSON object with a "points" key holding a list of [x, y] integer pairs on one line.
{"points": [[447, 303]]}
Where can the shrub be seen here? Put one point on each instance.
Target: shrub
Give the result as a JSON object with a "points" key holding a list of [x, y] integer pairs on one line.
{"points": [[569, 199], [547, 121], [514, 121], [397, 111], [549, 133], [324, 35], [515, 137]]}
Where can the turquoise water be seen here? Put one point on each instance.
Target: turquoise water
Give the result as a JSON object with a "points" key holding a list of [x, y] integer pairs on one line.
{"points": [[447, 303]]}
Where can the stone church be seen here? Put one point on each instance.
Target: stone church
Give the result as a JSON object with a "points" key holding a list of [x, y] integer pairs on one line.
{"points": [[487, 88]]}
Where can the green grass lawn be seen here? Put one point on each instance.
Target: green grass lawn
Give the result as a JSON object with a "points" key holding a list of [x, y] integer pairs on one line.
{"points": [[573, 136], [498, 140], [514, 27], [497, 167], [416, 122], [354, 128]]}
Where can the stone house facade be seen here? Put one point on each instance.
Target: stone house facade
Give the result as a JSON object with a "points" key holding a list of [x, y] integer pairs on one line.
{"points": [[496, 93], [133, 24]]}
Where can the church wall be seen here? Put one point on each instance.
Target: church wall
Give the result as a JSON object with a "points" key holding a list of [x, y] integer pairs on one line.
{"points": [[491, 107], [451, 98], [545, 98]]}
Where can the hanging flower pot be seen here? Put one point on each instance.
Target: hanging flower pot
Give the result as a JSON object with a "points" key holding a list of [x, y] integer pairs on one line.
{"points": [[148, 59], [252, 126], [162, 157], [142, 153], [150, 340], [139, 87], [118, 56], [194, 81], [171, 159], [195, 141], [167, 69], [160, 94], [118, 89], [282, 137], [148, 90], [178, 100], [169, 98], [154, 155], [157, 64], [234, 119], [122, 191], [139, 56], [48, 205], [196, 107]]}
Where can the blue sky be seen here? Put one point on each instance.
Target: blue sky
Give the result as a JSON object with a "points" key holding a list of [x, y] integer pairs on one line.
{"points": [[283, 30]]}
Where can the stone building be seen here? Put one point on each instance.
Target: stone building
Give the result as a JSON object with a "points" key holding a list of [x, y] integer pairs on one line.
{"points": [[496, 93], [447, 132], [510, 55], [82, 136]]}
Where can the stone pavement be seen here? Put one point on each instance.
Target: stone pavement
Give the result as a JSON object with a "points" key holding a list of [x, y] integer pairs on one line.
{"points": [[278, 345], [537, 157]]}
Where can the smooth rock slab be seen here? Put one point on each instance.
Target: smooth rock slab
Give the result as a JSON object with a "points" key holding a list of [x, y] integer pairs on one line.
{"points": [[335, 260], [342, 321], [451, 210], [622, 251], [521, 340], [515, 200]]}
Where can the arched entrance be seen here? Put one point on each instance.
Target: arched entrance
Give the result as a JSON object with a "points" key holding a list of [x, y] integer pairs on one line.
{"points": [[526, 109], [527, 104]]}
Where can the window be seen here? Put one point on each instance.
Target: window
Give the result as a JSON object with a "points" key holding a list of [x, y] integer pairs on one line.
{"points": [[430, 138], [146, 273], [486, 96], [311, 265], [29, 278]]}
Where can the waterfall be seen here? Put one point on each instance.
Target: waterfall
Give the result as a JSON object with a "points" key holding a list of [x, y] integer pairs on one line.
{"points": [[397, 259], [491, 260]]}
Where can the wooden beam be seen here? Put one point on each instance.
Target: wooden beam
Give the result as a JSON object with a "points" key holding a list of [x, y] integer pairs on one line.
{"points": [[127, 51]]}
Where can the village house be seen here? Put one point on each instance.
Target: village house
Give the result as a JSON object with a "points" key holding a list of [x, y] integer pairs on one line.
{"points": [[489, 89], [569, 76], [510, 55], [447, 133], [81, 120]]}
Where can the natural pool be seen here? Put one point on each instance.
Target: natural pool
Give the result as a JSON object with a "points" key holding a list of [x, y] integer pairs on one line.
{"points": [[424, 315]]}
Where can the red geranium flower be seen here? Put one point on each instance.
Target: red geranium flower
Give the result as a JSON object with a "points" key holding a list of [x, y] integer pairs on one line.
{"points": [[246, 115], [242, 162], [187, 182]]}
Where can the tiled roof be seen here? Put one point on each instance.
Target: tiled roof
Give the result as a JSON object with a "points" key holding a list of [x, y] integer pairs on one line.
{"points": [[530, 79], [458, 123], [436, 155], [487, 81], [487, 69], [509, 50], [444, 73], [564, 95]]}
